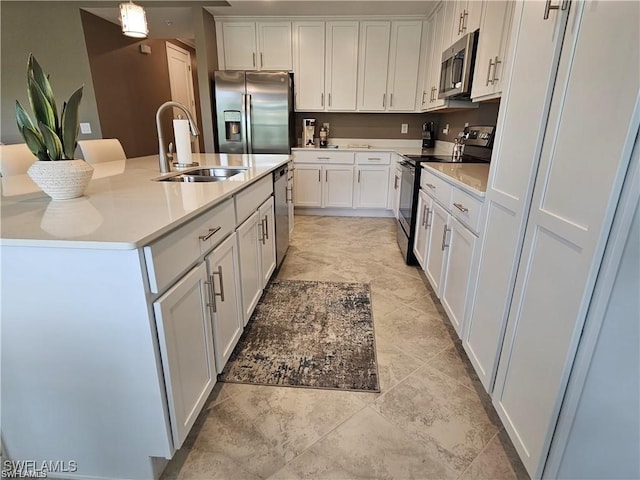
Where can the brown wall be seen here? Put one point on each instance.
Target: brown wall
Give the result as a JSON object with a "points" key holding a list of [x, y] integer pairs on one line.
{"points": [[485, 114], [367, 125], [129, 85]]}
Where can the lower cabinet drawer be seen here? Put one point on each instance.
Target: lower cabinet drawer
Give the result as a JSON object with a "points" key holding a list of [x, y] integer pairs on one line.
{"points": [[249, 199], [466, 209], [373, 158], [323, 156], [436, 187], [174, 253]]}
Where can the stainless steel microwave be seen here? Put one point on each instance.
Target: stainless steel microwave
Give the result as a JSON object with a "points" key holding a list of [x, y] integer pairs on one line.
{"points": [[456, 71]]}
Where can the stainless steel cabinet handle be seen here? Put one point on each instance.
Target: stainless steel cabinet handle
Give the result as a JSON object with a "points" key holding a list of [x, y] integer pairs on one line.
{"points": [[323, 158], [391, 100], [489, 81], [384, 100], [429, 212], [461, 207], [322, 99], [430, 185], [495, 70], [359, 176], [424, 216], [395, 183], [375, 159], [254, 59], [212, 232], [423, 94], [319, 179], [464, 21], [261, 232], [212, 294], [460, 20], [221, 294], [326, 175], [563, 6], [329, 98], [261, 60], [444, 237], [266, 227]]}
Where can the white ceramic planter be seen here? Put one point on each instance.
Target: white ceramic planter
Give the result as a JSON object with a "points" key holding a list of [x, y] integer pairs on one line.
{"points": [[61, 179]]}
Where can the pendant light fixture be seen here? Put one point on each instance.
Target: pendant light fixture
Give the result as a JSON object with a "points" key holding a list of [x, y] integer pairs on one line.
{"points": [[133, 20]]}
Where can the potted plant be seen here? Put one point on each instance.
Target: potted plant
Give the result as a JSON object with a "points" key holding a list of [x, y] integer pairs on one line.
{"points": [[52, 138]]}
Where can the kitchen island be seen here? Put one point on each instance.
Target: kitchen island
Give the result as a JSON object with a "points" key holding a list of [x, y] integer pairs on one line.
{"points": [[109, 315]]}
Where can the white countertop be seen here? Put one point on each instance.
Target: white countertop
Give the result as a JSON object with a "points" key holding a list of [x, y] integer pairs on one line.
{"points": [[471, 177], [122, 208]]}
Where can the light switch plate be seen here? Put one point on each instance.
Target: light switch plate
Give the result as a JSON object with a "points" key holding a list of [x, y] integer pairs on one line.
{"points": [[85, 127], [404, 128]]}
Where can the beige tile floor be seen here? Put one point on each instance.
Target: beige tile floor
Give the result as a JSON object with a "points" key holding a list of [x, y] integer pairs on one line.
{"points": [[432, 419]]}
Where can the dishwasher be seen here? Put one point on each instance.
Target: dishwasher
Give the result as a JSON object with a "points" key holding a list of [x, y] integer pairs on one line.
{"points": [[280, 177]]}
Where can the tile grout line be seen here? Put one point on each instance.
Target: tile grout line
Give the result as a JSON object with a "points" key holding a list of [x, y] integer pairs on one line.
{"points": [[480, 452]]}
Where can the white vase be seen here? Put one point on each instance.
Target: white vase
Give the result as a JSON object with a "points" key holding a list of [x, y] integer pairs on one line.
{"points": [[61, 179]]}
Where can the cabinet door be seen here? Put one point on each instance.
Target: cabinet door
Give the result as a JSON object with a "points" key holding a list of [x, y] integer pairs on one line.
{"points": [[569, 221], [423, 226], [455, 288], [404, 60], [341, 66], [435, 55], [186, 349], [268, 243], [466, 18], [309, 65], [290, 199], [239, 46], [523, 116], [249, 235], [338, 186], [308, 182], [226, 305], [371, 186], [437, 248], [274, 46], [496, 22], [373, 65]]}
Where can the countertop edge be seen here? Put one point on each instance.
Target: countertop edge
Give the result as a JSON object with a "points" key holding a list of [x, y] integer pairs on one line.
{"points": [[463, 186]]}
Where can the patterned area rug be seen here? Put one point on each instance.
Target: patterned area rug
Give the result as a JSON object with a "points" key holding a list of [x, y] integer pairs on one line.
{"points": [[308, 334]]}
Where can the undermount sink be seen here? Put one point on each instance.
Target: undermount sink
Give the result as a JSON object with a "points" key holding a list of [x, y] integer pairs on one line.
{"points": [[209, 174]]}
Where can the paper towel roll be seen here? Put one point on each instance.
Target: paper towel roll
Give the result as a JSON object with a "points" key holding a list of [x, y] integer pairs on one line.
{"points": [[182, 136]]}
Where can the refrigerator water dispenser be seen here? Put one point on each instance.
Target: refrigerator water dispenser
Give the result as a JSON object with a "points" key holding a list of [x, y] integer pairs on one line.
{"points": [[232, 119]]}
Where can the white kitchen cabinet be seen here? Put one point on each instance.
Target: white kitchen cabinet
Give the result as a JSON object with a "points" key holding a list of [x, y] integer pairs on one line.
{"points": [[337, 189], [290, 205], [437, 247], [375, 37], [341, 66], [256, 45], [492, 48], [423, 228], [308, 182], [249, 237], [186, 348], [308, 65], [225, 298], [268, 240], [371, 184], [462, 245], [466, 18], [568, 221], [388, 65]]}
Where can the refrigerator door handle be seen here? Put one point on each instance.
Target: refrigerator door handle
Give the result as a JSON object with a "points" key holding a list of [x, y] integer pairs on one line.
{"points": [[243, 122], [248, 120]]}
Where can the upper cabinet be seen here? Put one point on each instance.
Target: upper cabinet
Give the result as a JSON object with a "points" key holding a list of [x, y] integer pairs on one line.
{"points": [[255, 46], [489, 72], [308, 65], [466, 18], [388, 65]]}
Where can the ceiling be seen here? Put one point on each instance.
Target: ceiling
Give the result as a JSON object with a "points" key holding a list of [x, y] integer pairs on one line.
{"points": [[172, 19]]}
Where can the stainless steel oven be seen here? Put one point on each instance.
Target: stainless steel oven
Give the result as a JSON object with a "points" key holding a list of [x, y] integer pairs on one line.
{"points": [[409, 185]]}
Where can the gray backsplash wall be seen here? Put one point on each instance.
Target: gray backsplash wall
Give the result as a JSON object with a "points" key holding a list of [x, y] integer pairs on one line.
{"points": [[387, 125]]}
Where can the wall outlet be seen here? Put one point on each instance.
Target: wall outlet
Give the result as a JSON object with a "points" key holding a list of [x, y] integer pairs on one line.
{"points": [[445, 130], [85, 128], [466, 124], [404, 128]]}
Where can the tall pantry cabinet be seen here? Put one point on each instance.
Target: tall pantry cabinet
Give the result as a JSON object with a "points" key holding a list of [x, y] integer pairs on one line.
{"points": [[562, 150]]}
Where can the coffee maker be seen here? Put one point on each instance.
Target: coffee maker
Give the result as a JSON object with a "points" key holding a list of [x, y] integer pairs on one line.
{"points": [[428, 135], [308, 132]]}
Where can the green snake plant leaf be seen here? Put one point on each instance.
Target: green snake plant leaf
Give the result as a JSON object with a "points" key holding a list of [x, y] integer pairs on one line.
{"points": [[35, 70], [51, 140], [70, 123], [40, 105], [23, 118], [35, 143]]}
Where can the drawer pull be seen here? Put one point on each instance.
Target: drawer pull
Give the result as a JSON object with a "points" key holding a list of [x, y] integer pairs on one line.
{"points": [[212, 232], [432, 186], [323, 158], [375, 159], [461, 207]]}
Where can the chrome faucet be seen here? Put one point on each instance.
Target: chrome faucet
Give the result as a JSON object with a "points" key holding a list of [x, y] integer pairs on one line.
{"points": [[163, 157]]}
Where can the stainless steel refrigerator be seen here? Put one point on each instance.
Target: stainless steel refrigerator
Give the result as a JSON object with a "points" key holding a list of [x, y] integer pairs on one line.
{"points": [[254, 112]]}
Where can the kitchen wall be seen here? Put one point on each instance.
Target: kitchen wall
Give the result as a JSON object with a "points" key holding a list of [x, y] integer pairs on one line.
{"points": [[130, 86], [485, 114], [52, 31], [367, 125]]}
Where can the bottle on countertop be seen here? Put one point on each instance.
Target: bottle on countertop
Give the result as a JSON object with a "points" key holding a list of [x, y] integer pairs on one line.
{"points": [[323, 137]]}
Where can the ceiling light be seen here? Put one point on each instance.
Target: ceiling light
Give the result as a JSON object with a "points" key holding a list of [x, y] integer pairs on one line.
{"points": [[133, 20]]}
